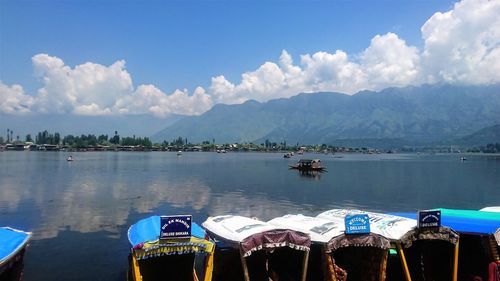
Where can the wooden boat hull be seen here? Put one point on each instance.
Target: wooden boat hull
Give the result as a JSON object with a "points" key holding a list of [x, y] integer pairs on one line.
{"points": [[13, 244], [13, 268], [308, 169]]}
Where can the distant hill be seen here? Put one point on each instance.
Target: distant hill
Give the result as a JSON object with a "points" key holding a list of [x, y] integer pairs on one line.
{"points": [[395, 116], [484, 136], [139, 125]]}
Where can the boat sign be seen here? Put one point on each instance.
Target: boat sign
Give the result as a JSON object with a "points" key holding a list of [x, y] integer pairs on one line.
{"points": [[175, 227], [429, 219], [357, 224]]}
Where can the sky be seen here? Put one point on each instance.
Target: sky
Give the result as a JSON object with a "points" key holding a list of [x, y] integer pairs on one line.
{"points": [[182, 57]]}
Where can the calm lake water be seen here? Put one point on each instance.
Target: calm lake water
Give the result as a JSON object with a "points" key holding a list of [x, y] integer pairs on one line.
{"points": [[80, 211]]}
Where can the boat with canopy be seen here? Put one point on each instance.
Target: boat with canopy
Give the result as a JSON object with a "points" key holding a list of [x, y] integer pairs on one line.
{"points": [[308, 165], [13, 244], [416, 253], [168, 248], [337, 255], [479, 242], [249, 249]]}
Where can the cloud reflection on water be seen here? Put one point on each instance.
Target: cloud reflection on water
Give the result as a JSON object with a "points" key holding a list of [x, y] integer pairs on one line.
{"points": [[92, 205]]}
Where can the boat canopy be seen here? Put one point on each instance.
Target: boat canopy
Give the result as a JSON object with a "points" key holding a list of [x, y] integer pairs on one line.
{"points": [[251, 235], [390, 226], [144, 236], [12, 241], [309, 161], [469, 221], [330, 232]]}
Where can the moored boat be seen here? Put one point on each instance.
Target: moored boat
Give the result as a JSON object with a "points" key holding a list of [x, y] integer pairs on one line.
{"points": [[309, 165], [424, 253], [13, 244], [431, 249], [249, 249], [337, 253], [479, 242], [167, 247]]}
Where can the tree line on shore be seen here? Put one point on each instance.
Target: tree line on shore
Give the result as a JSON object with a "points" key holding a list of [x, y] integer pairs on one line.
{"points": [[82, 141], [103, 140], [90, 141]]}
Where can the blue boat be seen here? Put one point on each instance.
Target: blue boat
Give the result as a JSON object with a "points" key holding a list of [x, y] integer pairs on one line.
{"points": [[479, 242], [157, 257], [13, 243]]}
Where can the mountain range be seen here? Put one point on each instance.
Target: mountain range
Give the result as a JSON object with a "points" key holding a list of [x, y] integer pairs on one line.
{"points": [[393, 116]]}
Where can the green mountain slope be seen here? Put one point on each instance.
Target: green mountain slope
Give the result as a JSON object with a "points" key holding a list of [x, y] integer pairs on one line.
{"points": [[422, 114], [484, 136]]}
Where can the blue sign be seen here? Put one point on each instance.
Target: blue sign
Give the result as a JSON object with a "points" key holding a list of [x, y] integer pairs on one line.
{"points": [[357, 224], [429, 219], [175, 227]]}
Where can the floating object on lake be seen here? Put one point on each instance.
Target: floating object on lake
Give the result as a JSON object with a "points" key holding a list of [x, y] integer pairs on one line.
{"points": [[13, 244], [166, 248], [257, 250], [308, 165]]}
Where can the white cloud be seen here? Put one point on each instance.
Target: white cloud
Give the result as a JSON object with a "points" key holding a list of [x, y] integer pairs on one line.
{"points": [[95, 89], [463, 44], [388, 61], [13, 100], [460, 46], [149, 99]]}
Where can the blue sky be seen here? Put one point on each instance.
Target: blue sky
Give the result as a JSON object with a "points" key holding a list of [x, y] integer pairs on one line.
{"points": [[170, 45], [182, 44]]}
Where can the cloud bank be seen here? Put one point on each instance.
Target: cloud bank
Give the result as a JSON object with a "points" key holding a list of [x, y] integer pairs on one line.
{"points": [[460, 46]]}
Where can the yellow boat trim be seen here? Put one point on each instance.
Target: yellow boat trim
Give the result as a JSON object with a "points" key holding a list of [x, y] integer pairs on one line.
{"points": [[136, 273], [170, 247]]}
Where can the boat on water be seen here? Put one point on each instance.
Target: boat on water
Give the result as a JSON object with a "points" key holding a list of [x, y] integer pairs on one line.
{"points": [[249, 249], [479, 242], [336, 255], [309, 165], [70, 158], [179, 153], [287, 155], [417, 252], [13, 244], [168, 248]]}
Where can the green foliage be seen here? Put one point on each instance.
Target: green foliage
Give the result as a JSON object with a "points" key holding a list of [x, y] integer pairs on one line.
{"points": [[46, 138], [128, 141], [491, 148]]}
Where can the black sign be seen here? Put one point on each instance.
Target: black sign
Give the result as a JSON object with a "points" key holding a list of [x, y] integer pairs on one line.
{"points": [[175, 227], [429, 219]]}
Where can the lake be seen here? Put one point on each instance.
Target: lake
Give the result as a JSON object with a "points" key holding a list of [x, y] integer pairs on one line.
{"points": [[79, 211]]}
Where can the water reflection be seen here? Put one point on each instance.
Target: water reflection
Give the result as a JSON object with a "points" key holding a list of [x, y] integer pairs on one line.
{"points": [[250, 205], [91, 201], [76, 196], [81, 208], [316, 175]]}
